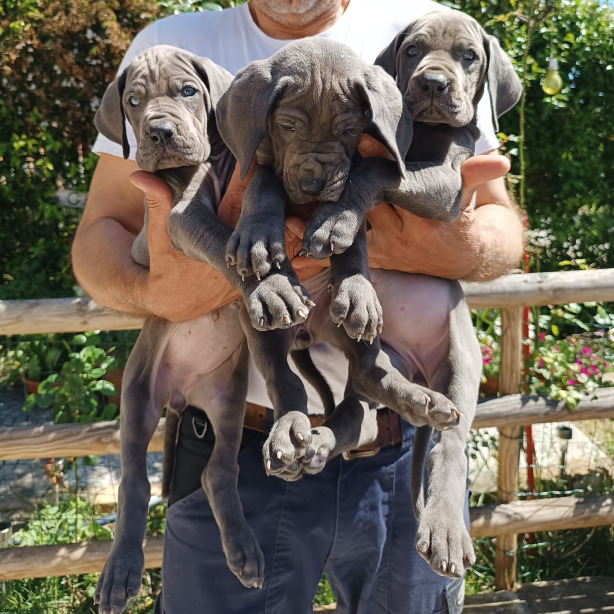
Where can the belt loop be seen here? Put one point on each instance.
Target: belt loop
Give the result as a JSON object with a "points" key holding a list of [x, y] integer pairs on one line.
{"points": [[203, 430]]}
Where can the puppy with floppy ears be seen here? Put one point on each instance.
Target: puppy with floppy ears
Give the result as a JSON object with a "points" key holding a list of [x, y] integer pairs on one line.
{"points": [[442, 63], [169, 98], [301, 113]]}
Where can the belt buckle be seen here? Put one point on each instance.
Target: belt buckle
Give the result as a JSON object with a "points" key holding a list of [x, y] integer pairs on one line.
{"points": [[352, 454]]}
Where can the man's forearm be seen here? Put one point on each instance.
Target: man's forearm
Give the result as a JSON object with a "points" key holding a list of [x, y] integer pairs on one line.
{"points": [[499, 243], [103, 265]]}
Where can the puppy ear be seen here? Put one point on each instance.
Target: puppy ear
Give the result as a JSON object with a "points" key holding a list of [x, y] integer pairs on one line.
{"points": [[389, 123], [110, 119], [216, 78], [387, 58], [504, 86], [243, 111]]}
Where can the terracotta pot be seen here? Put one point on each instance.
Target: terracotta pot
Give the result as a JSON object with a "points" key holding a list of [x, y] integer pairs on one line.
{"points": [[115, 377], [490, 387], [30, 385]]}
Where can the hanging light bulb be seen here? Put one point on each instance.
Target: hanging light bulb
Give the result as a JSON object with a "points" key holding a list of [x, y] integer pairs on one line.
{"points": [[552, 82]]}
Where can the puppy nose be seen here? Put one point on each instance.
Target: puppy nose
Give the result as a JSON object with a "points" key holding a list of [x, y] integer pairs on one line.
{"points": [[161, 133], [434, 83], [312, 185]]}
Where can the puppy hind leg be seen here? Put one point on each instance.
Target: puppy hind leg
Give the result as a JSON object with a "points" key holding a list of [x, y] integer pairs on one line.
{"points": [[377, 379], [442, 537], [291, 431], [141, 410], [351, 425], [226, 411]]}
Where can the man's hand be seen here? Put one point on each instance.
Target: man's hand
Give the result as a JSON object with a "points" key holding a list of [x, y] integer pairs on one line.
{"points": [[483, 243], [178, 288]]}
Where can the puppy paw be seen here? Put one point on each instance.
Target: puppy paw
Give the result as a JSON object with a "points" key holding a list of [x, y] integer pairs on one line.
{"points": [[278, 301], [443, 542], [120, 579], [355, 306], [256, 246], [244, 556], [331, 230], [286, 445], [320, 447], [421, 407]]}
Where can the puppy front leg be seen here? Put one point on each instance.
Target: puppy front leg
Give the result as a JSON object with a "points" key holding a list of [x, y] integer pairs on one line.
{"points": [[276, 302], [333, 226], [432, 186], [257, 243], [354, 303]]}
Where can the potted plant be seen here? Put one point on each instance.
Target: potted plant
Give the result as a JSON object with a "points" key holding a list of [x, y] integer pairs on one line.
{"points": [[79, 391], [37, 357]]}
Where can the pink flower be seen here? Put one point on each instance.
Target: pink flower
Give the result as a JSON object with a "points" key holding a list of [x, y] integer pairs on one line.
{"points": [[571, 382], [541, 336], [586, 351]]}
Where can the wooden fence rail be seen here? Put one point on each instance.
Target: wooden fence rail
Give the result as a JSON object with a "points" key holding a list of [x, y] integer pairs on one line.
{"points": [[507, 413], [57, 440], [66, 315]]}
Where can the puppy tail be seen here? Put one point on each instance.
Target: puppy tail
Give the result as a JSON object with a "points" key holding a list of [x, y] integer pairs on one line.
{"points": [[304, 363]]}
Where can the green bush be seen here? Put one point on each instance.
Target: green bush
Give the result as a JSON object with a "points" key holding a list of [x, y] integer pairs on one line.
{"points": [[569, 137], [56, 59]]}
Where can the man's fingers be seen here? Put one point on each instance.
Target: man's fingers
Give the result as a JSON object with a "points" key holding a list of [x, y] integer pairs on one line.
{"points": [[159, 205], [368, 147], [479, 169], [230, 206]]}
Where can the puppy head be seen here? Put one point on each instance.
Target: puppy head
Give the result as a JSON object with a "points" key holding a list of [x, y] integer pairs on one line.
{"points": [[168, 96], [442, 62], [304, 110]]}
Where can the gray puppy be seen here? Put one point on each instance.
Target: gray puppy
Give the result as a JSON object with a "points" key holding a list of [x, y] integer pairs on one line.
{"points": [[301, 113], [442, 63], [169, 97]]}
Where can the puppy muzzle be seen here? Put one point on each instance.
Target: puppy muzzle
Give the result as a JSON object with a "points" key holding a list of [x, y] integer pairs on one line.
{"points": [[315, 177], [163, 144]]}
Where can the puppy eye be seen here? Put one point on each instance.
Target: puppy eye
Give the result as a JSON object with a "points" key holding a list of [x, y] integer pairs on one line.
{"points": [[188, 91], [412, 51], [469, 55], [133, 101], [352, 132], [288, 127]]}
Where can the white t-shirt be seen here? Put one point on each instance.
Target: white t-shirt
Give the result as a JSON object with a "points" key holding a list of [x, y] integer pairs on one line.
{"points": [[231, 39]]}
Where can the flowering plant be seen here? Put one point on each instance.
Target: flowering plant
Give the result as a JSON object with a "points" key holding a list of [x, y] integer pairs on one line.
{"points": [[562, 367], [565, 369]]}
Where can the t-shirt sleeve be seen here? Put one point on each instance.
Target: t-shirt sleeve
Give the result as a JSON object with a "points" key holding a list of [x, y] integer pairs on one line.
{"points": [[488, 138]]}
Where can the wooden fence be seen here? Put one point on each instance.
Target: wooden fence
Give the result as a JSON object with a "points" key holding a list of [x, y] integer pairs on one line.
{"points": [[508, 413]]}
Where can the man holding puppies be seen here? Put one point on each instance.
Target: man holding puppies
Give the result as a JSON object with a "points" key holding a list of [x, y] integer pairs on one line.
{"points": [[354, 520]]}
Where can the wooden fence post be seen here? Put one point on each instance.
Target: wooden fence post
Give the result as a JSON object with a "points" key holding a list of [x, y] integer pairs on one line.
{"points": [[507, 479]]}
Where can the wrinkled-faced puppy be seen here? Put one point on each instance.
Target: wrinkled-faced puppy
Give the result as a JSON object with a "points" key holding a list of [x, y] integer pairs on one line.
{"points": [[442, 63], [169, 97], [301, 113]]}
